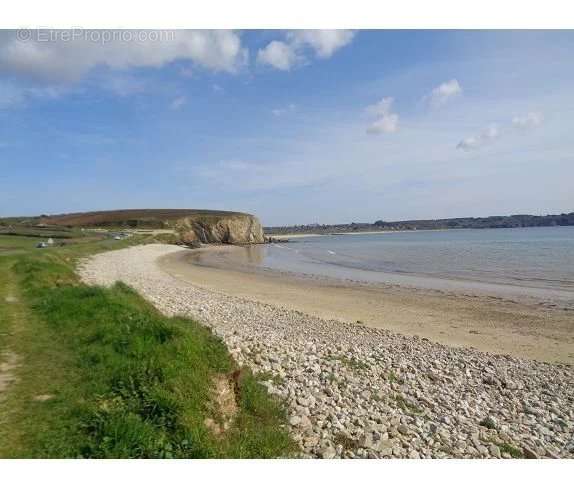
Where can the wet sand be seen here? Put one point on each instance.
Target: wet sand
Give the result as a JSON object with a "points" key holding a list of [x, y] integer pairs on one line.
{"points": [[487, 323]]}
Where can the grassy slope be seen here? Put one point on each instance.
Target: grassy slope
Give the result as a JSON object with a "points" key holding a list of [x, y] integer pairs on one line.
{"points": [[122, 380], [152, 218]]}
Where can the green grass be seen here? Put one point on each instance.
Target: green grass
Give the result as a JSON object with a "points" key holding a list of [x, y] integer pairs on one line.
{"points": [[268, 376], [347, 442], [407, 406], [510, 449], [488, 423], [352, 363], [103, 375], [16, 244], [393, 378]]}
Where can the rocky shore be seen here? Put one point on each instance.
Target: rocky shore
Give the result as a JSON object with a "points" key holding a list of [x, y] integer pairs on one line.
{"points": [[358, 392]]}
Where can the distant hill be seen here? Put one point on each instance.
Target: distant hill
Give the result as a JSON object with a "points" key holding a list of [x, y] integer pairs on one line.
{"points": [[508, 221], [189, 226], [135, 218]]}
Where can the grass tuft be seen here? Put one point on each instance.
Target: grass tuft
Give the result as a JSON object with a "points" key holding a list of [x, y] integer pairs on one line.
{"points": [[510, 449], [407, 406], [352, 363]]}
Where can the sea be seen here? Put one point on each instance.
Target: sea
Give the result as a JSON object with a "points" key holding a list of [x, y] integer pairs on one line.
{"points": [[535, 261]]}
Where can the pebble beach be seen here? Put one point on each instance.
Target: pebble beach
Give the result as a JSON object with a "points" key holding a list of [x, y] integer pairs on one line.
{"points": [[357, 392]]}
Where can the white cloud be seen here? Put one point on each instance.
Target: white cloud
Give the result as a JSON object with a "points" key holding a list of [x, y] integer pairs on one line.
{"points": [[386, 122], [382, 107], [469, 143], [122, 85], [278, 112], [286, 55], [446, 91], [528, 121], [70, 60], [488, 135], [177, 103], [324, 42], [12, 95], [187, 72], [279, 55]]}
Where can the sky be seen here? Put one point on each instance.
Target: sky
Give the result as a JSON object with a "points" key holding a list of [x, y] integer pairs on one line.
{"points": [[296, 127]]}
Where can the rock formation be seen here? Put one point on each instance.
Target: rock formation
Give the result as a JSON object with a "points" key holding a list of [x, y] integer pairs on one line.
{"points": [[226, 229], [191, 226]]}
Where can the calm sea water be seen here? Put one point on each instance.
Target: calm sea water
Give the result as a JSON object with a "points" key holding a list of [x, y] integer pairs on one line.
{"points": [[533, 258]]}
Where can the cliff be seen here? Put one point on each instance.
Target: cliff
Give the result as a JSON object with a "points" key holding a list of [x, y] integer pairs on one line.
{"points": [[236, 229], [190, 225]]}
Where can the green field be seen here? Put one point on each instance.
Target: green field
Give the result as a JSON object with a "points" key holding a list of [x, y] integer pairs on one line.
{"points": [[16, 244], [98, 373]]}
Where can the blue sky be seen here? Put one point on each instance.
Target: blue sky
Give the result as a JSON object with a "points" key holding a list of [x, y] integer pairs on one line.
{"points": [[294, 126]]}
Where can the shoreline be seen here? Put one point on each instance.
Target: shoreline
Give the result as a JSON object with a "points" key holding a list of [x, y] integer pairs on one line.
{"points": [[359, 232], [488, 323], [354, 391], [556, 289]]}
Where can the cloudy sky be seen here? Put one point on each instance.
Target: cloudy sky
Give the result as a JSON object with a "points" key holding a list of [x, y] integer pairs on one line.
{"points": [[294, 126]]}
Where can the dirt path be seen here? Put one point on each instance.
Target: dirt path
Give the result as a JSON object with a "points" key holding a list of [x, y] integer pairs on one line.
{"points": [[8, 363], [9, 305]]}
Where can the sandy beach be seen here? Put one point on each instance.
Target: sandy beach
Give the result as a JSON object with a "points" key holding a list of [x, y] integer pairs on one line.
{"points": [[356, 391], [488, 323]]}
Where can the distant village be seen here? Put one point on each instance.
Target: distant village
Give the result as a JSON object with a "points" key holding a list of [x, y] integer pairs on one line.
{"points": [[509, 221]]}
